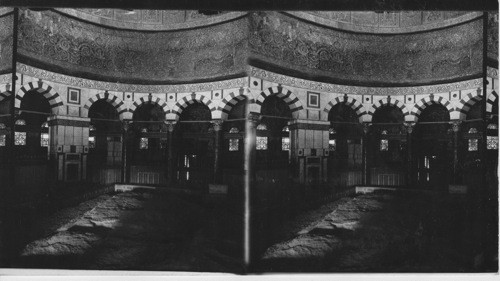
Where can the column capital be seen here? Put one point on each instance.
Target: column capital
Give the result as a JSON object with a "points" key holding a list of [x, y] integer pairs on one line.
{"points": [[126, 124], [253, 118], [170, 125], [217, 124], [408, 126], [455, 125], [366, 127]]}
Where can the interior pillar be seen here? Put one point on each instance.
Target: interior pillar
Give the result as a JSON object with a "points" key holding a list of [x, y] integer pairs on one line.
{"points": [[217, 124], [125, 127], [249, 169], [69, 137], [456, 128], [409, 153], [170, 147], [366, 130], [309, 150]]}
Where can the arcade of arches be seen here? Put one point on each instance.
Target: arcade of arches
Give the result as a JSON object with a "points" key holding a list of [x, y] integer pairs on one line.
{"points": [[161, 123]]}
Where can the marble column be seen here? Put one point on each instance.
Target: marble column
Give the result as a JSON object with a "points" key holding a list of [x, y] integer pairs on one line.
{"points": [[366, 130], [455, 125], [170, 156], [409, 153], [249, 167], [125, 129], [217, 124]]}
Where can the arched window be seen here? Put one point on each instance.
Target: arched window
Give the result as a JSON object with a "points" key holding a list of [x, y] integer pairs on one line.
{"points": [[285, 140], [2, 134], [144, 142], [261, 140], [44, 135], [492, 138], [20, 136], [92, 137], [234, 142], [384, 143], [473, 143], [332, 142]]}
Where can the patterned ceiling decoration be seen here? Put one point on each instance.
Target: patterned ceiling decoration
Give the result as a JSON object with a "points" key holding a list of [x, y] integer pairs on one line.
{"points": [[271, 40], [52, 41], [493, 36], [151, 19], [6, 22], [280, 41], [387, 21]]}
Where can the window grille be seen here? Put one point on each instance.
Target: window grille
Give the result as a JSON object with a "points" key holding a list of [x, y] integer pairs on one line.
{"points": [[261, 143], [234, 144], [285, 143], [44, 140], [473, 143], [91, 142], [332, 144], [20, 138], [384, 143], [492, 142]]}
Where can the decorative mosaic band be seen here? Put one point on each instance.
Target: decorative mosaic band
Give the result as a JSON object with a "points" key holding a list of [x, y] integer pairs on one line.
{"points": [[120, 87], [358, 90]]}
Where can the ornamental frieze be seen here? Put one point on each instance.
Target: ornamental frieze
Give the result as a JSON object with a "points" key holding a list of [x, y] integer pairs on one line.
{"points": [[358, 90], [120, 87]]}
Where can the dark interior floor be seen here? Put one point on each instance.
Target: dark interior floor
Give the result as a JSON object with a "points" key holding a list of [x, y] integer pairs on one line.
{"points": [[151, 230], [138, 230], [384, 232]]}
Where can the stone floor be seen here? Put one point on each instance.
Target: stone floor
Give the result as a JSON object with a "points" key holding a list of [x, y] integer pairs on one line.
{"points": [[381, 232], [140, 230], [147, 230]]}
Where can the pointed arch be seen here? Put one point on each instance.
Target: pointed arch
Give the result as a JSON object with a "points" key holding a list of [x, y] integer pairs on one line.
{"points": [[389, 101], [176, 111], [467, 102], [47, 91], [429, 100], [112, 99], [349, 101], [286, 95], [230, 101], [492, 98], [149, 99]]}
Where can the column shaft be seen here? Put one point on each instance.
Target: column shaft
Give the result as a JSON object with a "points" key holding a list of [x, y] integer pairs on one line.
{"points": [[217, 143], [125, 178]]}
